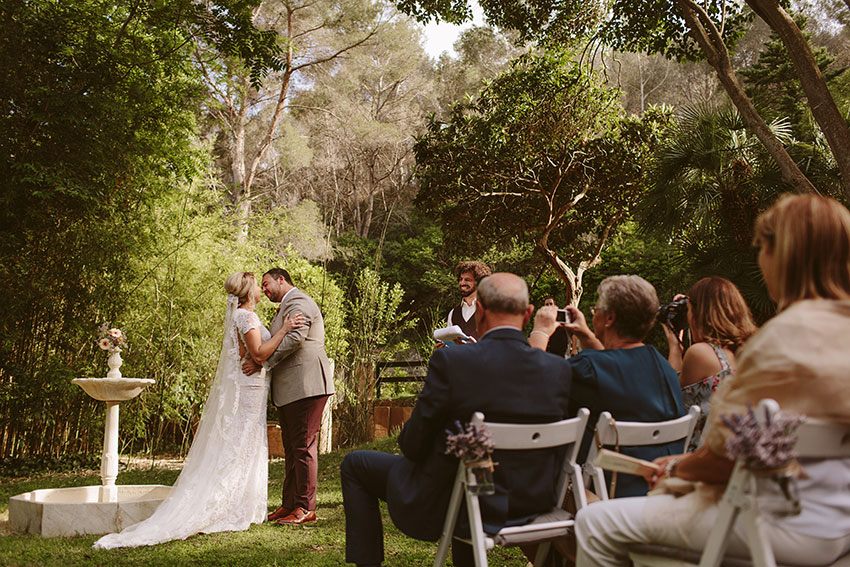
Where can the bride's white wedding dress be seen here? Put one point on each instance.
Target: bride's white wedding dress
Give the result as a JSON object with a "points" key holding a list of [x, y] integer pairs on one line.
{"points": [[224, 482]]}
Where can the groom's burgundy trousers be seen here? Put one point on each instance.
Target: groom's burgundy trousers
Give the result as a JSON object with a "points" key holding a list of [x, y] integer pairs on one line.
{"points": [[299, 427]]}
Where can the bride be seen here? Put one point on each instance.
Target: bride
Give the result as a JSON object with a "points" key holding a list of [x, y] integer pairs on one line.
{"points": [[224, 482]]}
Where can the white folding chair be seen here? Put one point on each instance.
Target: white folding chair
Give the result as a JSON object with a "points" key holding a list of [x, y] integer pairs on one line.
{"points": [[815, 439], [550, 524], [634, 434]]}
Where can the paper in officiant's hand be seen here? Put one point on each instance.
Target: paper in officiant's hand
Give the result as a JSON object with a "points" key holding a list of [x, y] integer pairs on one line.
{"points": [[449, 335]]}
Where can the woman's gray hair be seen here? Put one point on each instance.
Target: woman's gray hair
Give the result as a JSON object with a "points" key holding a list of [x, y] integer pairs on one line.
{"points": [[633, 300], [506, 295]]}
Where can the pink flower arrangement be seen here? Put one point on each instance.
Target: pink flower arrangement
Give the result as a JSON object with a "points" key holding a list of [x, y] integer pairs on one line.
{"points": [[111, 339]]}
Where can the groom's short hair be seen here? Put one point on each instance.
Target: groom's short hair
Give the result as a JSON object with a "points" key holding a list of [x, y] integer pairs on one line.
{"points": [[279, 272]]}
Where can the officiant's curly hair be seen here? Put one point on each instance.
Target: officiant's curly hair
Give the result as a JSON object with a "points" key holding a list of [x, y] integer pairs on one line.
{"points": [[240, 284], [478, 269]]}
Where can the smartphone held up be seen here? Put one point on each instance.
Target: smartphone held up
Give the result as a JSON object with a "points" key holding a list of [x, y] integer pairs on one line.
{"points": [[563, 316]]}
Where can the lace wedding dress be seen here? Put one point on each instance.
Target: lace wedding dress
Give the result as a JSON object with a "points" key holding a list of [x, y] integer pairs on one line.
{"points": [[224, 482]]}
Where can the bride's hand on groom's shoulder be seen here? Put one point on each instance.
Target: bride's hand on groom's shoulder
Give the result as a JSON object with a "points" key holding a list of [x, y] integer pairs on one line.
{"points": [[293, 321]]}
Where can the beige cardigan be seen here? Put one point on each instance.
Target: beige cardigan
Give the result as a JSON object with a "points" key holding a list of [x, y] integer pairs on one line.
{"points": [[800, 358]]}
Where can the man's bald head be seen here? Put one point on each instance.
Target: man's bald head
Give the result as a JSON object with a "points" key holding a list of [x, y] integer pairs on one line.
{"points": [[504, 293]]}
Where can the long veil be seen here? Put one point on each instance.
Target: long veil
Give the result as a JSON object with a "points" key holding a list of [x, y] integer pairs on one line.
{"points": [[202, 498]]}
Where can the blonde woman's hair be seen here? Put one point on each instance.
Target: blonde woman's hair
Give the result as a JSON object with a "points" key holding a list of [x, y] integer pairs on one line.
{"points": [[719, 313], [635, 302], [809, 237], [240, 284]]}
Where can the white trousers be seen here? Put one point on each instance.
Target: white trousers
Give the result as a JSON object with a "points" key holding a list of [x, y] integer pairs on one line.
{"points": [[604, 531]]}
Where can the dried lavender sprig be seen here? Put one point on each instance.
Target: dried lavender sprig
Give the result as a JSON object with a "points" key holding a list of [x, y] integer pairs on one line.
{"points": [[468, 443], [762, 445]]}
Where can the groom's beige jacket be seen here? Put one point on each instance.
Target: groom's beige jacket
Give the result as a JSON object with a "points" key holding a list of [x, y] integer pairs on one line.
{"points": [[299, 367]]}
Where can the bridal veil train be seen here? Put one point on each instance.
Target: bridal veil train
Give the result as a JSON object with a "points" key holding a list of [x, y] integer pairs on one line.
{"points": [[224, 482]]}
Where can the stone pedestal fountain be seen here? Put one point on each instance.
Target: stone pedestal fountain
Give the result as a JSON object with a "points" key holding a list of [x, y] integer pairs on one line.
{"points": [[100, 509]]}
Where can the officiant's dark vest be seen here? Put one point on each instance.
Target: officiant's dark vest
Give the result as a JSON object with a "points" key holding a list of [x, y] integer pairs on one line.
{"points": [[468, 327]]}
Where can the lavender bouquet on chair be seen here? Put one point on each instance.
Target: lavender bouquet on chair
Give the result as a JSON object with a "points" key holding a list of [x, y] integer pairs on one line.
{"points": [[473, 446], [766, 446], [767, 449]]}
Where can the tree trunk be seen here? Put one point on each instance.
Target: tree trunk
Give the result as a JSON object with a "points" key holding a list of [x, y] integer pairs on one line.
{"points": [[239, 193], [370, 199], [717, 55], [571, 278], [642, 84], [286, 77], [367, 214], [355, 201], [820, 100]]}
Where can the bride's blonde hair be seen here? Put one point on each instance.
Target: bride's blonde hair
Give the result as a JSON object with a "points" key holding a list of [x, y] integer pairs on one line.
{"points": [[240, 284]]}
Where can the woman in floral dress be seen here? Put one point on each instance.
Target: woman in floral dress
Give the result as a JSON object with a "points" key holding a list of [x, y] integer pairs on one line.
{"points": [[720, 323]]}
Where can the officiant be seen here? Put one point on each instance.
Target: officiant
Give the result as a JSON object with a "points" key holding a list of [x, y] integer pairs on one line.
{"points": [[469, 274]]}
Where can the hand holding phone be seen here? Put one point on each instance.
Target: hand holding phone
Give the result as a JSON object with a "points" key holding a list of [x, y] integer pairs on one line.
{"points": [[563, 316]]}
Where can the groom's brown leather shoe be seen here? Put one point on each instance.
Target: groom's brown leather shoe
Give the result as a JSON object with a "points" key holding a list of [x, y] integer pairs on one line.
{"points": [[297, 517], [281, 512]]}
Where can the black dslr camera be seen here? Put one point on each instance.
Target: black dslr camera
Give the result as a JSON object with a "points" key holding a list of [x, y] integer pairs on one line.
{"points": [[675, 314]]}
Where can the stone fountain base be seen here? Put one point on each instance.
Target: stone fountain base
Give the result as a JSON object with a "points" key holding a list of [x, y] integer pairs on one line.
{"points": [[53, 512]]}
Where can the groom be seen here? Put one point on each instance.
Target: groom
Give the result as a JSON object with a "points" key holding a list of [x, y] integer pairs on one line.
{"points": [[300, 385]]}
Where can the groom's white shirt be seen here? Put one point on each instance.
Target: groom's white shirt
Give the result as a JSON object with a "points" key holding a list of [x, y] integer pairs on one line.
{"points": [[282, 299]]}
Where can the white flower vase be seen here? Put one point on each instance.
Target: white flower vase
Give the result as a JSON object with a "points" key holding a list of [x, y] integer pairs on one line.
{"points": [[114, 363]]}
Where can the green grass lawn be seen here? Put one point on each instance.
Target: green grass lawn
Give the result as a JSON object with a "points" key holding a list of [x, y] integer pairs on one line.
{"points": [[320, 544]]}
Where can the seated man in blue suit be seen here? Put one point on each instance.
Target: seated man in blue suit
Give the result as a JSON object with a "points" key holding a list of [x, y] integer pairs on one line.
{"points": [[501, 376]]}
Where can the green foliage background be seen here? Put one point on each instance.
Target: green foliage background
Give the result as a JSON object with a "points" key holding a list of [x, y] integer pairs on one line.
{"points": [[109, 214], [115, 204]]}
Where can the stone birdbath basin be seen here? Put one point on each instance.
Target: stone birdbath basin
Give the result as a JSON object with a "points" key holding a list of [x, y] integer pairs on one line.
{"points": [[100, 509]]}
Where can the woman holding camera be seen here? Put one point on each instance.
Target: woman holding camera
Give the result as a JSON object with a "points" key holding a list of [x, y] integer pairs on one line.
{"points": [[799, 358], [720, 323], [616, 371]]}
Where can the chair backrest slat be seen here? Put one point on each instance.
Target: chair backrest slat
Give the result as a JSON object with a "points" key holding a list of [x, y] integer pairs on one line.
{"points": [[819, 439], [519, 436], [635, 434], [632, 433], [816, 438]]}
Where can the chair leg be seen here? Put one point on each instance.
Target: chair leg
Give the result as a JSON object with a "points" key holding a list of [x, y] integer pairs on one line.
{"points": [[760, 548], [579, 495], [479, 549], [715, 546], [451, 520], [542, 554], [599, 483]]}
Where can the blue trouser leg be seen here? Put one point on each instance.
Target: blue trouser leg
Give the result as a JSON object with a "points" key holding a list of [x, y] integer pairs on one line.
{"points": [[364, 482]]}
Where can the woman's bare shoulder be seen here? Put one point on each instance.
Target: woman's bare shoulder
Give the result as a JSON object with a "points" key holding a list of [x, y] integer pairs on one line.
{"points": [[699, 362]]}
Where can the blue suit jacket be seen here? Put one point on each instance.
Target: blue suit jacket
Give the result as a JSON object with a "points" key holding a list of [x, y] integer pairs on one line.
{"points": [[507, 380]]}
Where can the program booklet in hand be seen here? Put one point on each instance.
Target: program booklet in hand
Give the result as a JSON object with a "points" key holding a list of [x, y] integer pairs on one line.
{"points": [[613, 461], [449, 335]]}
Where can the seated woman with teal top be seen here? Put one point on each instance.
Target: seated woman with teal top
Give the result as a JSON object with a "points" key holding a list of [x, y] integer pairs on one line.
{"points": [[616, 371], [720, 322]]}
